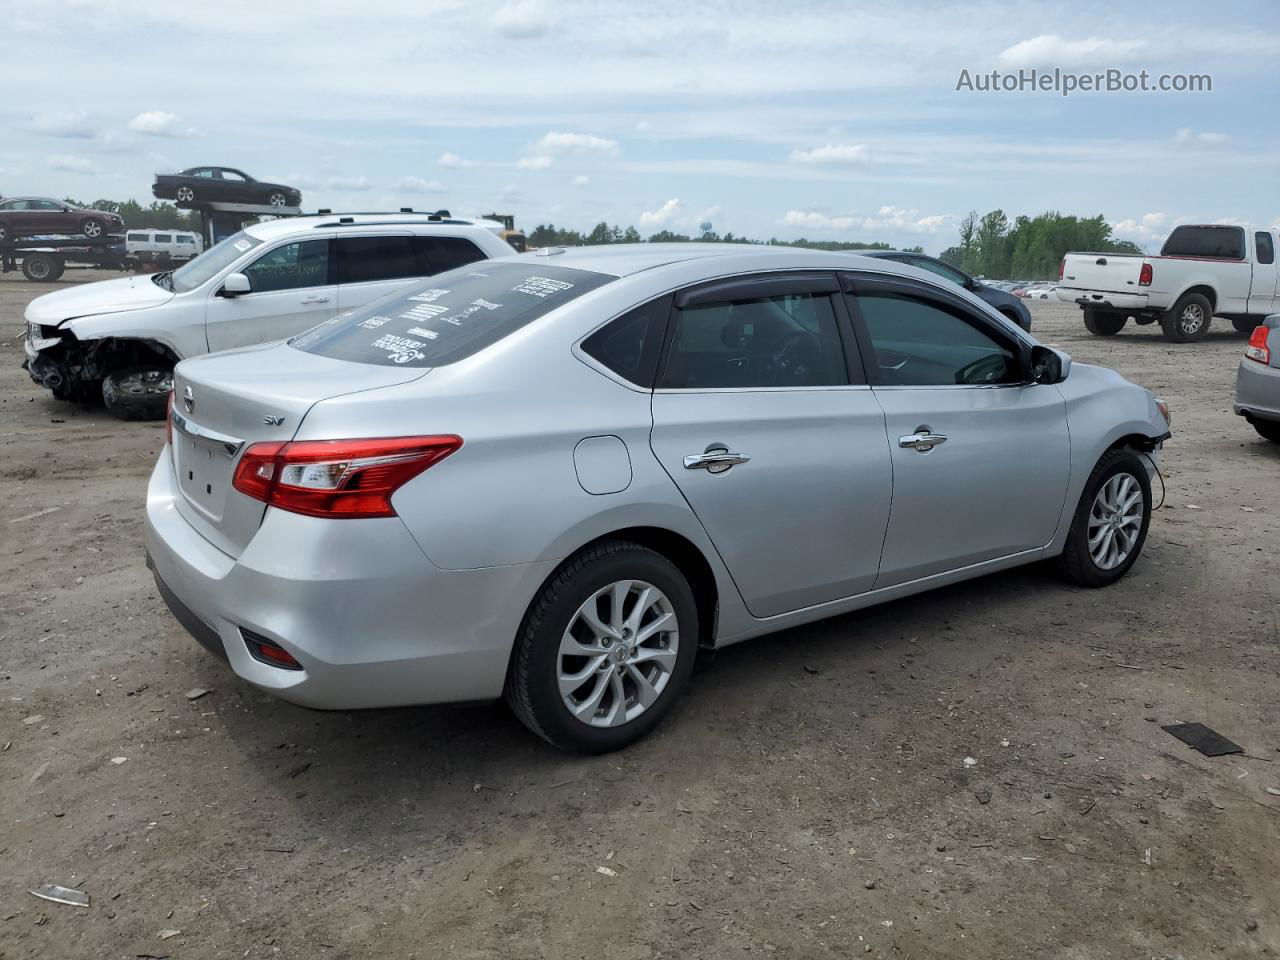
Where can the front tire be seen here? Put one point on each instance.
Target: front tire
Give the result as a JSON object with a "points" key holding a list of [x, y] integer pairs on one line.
{"points": [[1110, 522], [1267, 429], [605, 648], [138, 393], [1104, 323], [1188, 321], [277, 199], [93, 228], [4, 233]]}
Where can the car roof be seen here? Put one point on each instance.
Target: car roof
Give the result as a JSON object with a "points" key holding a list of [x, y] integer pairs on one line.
{"points": [[269, 230], [625, 259]]}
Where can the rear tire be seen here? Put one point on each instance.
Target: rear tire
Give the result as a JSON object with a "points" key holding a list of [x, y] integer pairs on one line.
{"points": [[1088, 558], [1245, 325], [621, 644], [138, 393], [1188, 321], [4, 233], [184, 194], [41, 268], [1268, 429], [1104, 323]]}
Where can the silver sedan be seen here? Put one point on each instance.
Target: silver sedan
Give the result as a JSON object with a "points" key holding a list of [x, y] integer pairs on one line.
{"points": [[552, 477]]}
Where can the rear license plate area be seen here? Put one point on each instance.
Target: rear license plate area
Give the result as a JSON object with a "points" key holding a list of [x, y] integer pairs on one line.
{"points": [[204, 474]]}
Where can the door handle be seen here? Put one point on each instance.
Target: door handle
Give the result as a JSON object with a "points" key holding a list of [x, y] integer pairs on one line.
{"points": [[715, 459], [923, 440], [314, 300]]}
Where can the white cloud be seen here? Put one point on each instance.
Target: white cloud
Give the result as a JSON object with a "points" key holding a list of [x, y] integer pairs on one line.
{"points": [[534, 163], [655, 218], [523, 19], [817, 221], [160, 163], [509, 194], [838, 154], [708, 215], [71, 125], [454, 162], [581, 180], [886, 219], [1144, 230], [1187, 135], [355, 184], [562, 144], [69, 164], [419, 185], [1051, 50], [160, 123]]}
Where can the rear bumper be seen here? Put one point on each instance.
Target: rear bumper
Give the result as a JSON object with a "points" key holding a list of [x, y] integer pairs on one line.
{"points": [[1104, 299], [1257, 391], [371, 620]]}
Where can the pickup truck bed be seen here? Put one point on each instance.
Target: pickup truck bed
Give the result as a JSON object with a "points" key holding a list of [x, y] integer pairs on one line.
{"points": [[1202, 272]]}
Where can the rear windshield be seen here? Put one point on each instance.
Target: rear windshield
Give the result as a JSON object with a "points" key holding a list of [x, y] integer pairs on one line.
{"points": [[449, 317], [1218, 243]]}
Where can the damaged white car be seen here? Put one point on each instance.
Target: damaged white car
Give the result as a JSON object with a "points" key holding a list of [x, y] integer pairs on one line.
{"points": [[120, 339]]}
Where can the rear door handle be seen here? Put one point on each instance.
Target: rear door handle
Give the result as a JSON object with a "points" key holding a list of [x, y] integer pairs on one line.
{"points": [[922, 440], [715, 459], [314, 300]]}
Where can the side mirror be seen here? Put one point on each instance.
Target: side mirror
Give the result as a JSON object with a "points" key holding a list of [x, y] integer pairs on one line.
{"points": [[973, 285], [235, 285], [1049, 365]]}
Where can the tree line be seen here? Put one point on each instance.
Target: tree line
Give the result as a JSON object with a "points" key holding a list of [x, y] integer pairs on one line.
{"points": [[549, 235], [1032, 247]]}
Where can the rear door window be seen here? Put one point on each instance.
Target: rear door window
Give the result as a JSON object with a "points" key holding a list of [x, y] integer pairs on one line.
{"points": [[164, 238], [1266, 247], [450, 317], [366, 259]]}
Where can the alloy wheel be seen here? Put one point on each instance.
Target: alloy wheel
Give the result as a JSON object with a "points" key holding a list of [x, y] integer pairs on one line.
{"points": [[1192, 319], [185, 194], [93, 229], [145, 383], [617, 654], [276, 200], [1115, 520]]}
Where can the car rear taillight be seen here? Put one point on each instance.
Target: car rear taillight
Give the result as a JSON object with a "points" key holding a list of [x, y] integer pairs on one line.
{"points": [[337, 478], [1257, 348], [168, 421], [1144, 275]]}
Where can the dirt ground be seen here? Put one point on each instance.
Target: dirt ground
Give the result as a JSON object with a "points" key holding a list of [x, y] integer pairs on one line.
{"points": [[809, 797]]}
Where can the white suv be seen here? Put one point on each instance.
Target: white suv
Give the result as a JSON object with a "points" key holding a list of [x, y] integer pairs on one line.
{"points": [[149, 246], [121, 338]]}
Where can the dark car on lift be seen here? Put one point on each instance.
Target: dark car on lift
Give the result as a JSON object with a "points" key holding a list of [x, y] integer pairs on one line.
{"points": [[1006, 303], [40, 216], [223, 185]]}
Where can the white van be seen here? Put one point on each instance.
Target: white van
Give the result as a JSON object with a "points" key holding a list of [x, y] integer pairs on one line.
{"points": [[156, 245]]}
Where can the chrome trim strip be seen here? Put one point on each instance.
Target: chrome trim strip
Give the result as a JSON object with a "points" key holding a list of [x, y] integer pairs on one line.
{"points": [[232, 445]]}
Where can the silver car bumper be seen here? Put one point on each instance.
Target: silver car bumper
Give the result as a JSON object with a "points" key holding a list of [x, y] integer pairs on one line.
{"points": [[371, 620], [1257, 390]]}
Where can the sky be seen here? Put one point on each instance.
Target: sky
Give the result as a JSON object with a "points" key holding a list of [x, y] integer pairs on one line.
{"points": [[788, 119]]}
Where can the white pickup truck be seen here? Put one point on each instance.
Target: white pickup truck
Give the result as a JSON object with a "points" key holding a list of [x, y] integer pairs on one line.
{"points": [[1203, 271]]}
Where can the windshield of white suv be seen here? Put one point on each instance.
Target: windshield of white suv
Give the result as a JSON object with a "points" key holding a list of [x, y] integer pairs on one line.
{"points": [[213, 260], [450, 317]]}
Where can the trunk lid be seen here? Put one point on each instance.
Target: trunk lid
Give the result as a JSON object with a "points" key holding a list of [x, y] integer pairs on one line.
{"points": [[1106, 272], [225, 402]]}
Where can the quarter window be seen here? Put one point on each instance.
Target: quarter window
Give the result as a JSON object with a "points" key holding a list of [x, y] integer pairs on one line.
{"points": [[1266, 247], [290, 267], [629, 345], [918, 342], [782, 341], [438, 254]]}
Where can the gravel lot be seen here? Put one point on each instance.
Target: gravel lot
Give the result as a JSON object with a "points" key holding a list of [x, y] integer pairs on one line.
{"points": [[809, 798]]}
